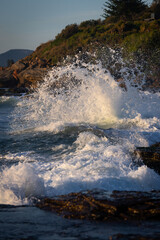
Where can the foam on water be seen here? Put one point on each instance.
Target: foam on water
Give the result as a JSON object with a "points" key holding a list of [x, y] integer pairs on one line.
{"points": [[19, 183], [97, 163], [115, 122]]}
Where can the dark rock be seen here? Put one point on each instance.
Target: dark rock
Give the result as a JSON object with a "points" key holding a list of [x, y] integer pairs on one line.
{"points": [[42, 63], [22, 75], [98, 205], [7, 79], [150, 156]]}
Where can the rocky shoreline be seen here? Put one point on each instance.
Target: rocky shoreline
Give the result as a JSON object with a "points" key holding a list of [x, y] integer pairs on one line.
{"points": [[25, 75], [103, 206], [119, 206], [22, 76], [150, 156]]}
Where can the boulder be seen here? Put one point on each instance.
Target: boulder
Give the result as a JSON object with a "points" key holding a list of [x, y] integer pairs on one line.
{"points": [[7, 79], [23, 75], [18, 66], [150, 156], [31, 77]]}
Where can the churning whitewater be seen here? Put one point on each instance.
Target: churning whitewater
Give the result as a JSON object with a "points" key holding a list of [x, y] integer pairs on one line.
{"points": [[78, 137]]}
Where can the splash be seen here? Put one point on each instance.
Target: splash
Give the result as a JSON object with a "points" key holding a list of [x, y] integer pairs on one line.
{"points": [[97, 163], [80, 129], [85, 93], [20, 184]]}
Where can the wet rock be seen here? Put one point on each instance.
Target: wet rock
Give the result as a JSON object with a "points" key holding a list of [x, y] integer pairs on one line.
{"points": [[7, 79], [150, 156], [99, 205], [31, 77], [18, 66], [30, 71], [22, 75]]}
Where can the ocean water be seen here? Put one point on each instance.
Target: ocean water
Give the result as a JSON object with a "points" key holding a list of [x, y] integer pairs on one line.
{"points": [[79, 137]]}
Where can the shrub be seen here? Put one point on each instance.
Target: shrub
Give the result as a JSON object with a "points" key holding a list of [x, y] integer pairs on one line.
{"points": [[69, 31]]}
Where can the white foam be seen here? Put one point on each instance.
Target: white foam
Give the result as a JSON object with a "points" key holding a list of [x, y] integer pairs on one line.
{"points": [[20, 157], [19, 184], [131, 118], [97, 164], [92, 102]]}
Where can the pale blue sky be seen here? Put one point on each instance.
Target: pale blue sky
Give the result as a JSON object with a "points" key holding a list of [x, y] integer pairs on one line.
{"points": [[25, 24]]}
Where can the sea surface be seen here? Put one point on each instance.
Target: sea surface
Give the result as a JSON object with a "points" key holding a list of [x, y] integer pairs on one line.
{"points": [[79, 137]]}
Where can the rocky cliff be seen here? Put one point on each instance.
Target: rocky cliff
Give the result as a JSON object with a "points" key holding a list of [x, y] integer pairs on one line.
{"points": [[22, 75]]}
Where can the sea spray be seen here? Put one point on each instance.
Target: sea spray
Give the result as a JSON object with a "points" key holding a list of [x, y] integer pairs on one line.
{"points": [[79, 130], [87, 94], [20, 184]]}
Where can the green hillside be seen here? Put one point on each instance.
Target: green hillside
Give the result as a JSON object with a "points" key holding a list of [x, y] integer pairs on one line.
{"points": [[136, 35]]}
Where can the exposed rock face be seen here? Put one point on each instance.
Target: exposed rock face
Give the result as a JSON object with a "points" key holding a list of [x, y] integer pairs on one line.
{"points": [[19, 66], [150, 156], [28, 72], [23, 75], [31, 77], [98, 205], [7, 80]]}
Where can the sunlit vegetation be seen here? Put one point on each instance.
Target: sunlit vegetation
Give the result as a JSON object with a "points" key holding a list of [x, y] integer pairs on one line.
{"points": [[138, 34]]}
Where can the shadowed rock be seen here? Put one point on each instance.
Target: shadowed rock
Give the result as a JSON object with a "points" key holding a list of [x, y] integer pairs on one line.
{"points": [[99, 205], [7, 80], [150, 156]]}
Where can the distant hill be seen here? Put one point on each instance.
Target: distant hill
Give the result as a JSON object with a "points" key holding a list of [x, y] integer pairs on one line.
{"points": [[14, 54]]}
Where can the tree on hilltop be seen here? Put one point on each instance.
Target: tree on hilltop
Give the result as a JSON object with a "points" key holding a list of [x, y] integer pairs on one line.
{"points": [[155, 7], [125, 9]]}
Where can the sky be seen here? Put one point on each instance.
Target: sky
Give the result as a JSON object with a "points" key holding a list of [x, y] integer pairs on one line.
{"points": [[25, 24]]}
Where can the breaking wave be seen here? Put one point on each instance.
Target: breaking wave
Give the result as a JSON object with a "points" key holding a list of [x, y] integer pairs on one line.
{"points": [[78, 131]]}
